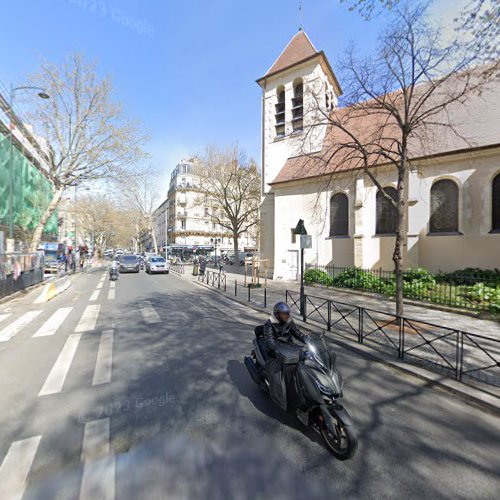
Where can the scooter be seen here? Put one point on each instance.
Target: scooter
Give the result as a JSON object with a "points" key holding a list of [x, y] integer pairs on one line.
{"points": [[113, 274], [319, 385]]}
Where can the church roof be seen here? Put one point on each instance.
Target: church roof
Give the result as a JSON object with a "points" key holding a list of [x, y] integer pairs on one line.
{"points": [[299, 48], [475, 125]]}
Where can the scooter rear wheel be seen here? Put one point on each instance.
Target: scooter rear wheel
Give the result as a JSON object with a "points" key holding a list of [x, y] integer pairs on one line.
{"points": [[343, 443]]}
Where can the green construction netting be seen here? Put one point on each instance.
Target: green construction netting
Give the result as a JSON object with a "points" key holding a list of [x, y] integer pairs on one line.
{"points": [[31, 191]]}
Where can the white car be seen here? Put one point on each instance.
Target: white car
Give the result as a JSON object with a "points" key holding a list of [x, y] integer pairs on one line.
{"points": [[157, 264]]}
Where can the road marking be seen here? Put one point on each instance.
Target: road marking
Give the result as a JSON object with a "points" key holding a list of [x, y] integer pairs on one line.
{"points": [[104, 363], [98, 480], [16, 466], [111, 293], [99, 285], [112, 284], [95, 295], [148, 313], [57, 375], [53, 323], [89, 319], [4, 316], [9, 331]]}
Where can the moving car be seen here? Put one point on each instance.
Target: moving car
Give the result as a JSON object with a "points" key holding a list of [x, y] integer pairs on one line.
{"points": [[157, 264], [129, 264]]}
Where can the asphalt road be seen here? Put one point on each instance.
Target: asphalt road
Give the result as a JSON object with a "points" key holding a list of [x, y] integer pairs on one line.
{"points": [[145, 395]]}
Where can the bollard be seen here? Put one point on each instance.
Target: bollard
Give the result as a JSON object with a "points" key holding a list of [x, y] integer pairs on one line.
{"points": [[265, 298], [248, 293], [235, 288]]}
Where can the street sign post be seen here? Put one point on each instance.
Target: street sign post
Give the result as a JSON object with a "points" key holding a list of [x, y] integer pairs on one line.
{"points": [[305, 242]]}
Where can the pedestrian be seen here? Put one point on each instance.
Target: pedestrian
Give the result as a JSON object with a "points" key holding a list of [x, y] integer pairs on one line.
{"points": [[203, 266]]}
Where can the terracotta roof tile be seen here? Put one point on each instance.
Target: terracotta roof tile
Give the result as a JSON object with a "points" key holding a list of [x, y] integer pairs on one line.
{"points": [[298, 49]]}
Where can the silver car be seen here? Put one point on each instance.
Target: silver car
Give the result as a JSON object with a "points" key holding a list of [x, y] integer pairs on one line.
{"points": [[156, 264]]}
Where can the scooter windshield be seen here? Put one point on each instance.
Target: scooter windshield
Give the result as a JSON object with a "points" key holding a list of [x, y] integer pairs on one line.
{"points": [[320, 352]]}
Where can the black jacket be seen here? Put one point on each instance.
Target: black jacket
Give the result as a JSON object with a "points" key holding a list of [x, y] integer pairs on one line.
{"points": [[274, 330]]}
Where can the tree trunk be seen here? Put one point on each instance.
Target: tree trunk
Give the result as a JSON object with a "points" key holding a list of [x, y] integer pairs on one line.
{"points": [[400, 243], [155, 244], [38, 232], [235, 248]]}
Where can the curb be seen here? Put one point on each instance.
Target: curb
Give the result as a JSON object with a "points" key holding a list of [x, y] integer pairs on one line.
{"points": [[469, 394], [52, 289]]}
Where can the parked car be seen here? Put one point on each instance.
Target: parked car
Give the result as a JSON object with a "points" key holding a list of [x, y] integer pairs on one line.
{"points": [[156, 264], [128, 264]]}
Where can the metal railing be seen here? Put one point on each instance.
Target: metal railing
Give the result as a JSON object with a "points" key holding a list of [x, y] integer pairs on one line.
{"points": [[177, 268], [19, 271], [216, 279], [462, 355], [475, 292]]}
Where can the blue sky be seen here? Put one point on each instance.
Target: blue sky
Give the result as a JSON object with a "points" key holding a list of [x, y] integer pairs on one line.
{"points": [[185, 68]]}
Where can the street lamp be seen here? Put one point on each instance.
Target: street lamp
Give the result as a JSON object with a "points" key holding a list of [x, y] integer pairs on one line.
{"points": [[43, 95], [300, 230], [214, 241]]}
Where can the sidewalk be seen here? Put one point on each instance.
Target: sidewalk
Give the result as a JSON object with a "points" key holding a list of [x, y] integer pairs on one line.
{"points": [[276, 291]]}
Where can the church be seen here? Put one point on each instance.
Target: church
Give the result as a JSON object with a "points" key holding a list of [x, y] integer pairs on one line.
{"points": [[453, 194]]}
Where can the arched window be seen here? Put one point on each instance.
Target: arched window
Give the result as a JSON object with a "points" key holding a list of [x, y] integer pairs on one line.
{"points": [[298, 106], [386, 212], [339, 215], [280, 113], [495, 204], [444, 207]]}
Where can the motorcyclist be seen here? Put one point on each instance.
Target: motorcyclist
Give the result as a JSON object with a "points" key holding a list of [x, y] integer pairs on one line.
{"points": [[113, 270], [280, 326]]}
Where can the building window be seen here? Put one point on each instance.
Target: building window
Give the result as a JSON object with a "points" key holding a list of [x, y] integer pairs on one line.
{"points": [[444, 207], [386, 212], [495, 204], [339, 215], [298, 107], [280, 113]]}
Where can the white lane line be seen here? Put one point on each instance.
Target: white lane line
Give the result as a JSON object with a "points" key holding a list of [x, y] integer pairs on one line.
{"points": [[111, 294], [112, 284], [98, 480], [95, 295], [104, 363], [9, 331], [89, 319], [53, 323], [57, 375], [148, 313], [16, 466], [4, 316]]}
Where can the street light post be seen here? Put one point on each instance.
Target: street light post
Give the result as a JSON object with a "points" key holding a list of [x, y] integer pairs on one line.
{"points": [[43, 95], [301, 231]]}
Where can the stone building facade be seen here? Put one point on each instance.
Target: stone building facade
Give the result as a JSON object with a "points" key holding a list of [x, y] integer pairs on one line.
{"points": [[454, 188]]}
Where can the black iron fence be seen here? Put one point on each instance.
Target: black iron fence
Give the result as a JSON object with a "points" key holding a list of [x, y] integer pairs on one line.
{"points": [[213, 278], [453, 352], [468, 291], [19, 271]]}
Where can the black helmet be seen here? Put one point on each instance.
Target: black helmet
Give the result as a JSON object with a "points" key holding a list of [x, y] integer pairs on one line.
{"points": [[279, 309]]}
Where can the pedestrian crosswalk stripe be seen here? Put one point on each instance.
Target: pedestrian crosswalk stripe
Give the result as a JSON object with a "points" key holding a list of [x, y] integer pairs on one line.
{"points": [[16, 466], [57, 375], [89, 319], [95, 295], [53, 323], [103, 367], [112, 284], [9, 331], [98, 480], [99, 285], [148, 313], [111, 293], [4, 316]]}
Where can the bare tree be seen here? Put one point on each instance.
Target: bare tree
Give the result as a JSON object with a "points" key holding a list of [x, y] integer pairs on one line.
{"points": [[231, 189], [87, 136], [397, 105], [141, 197]]}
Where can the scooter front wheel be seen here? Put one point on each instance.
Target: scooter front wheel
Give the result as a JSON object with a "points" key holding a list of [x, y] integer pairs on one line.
{"points": [[343, 443]]}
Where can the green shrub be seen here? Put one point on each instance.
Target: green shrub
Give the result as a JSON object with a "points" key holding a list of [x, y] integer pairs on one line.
{"points": [[360, 279], [471, 276], [316, 276], [420, 275], [481, 293]]}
